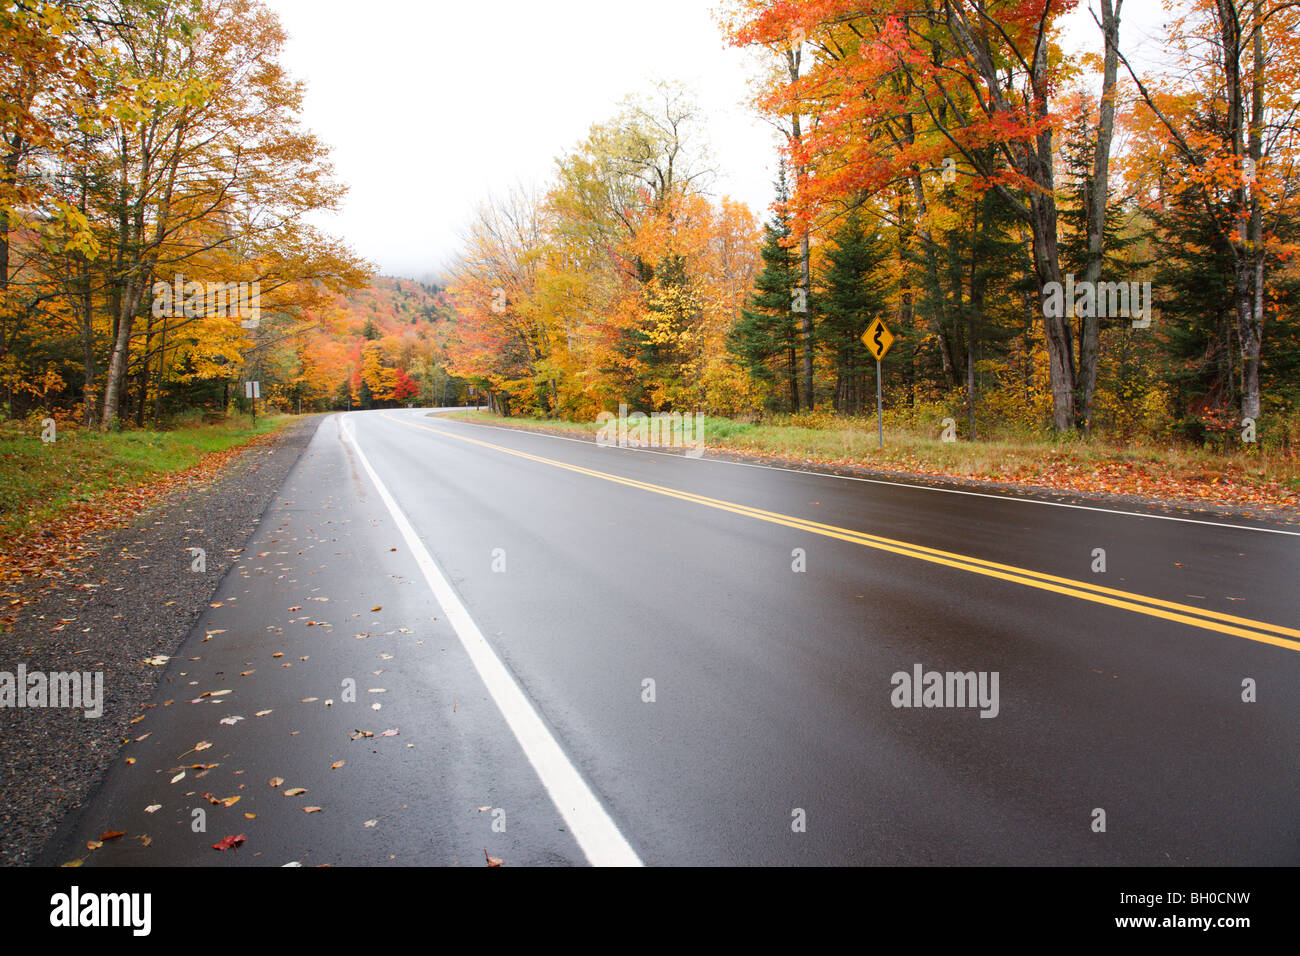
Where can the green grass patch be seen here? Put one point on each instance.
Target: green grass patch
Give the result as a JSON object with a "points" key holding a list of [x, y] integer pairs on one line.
{"points": [[41, 480]]}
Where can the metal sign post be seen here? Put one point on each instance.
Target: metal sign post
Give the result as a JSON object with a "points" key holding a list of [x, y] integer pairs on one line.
{"points": [[253, 390], [880, 409]]}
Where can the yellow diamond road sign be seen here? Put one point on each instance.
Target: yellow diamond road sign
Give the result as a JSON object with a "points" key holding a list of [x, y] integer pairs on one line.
{"points": [[877, 339]]}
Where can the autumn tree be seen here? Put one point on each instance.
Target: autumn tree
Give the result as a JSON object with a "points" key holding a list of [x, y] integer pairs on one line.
{"points": [[901, 87], [1239, 167], [197, 169]]}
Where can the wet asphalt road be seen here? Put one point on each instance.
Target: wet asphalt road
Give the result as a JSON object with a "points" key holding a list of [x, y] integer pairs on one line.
{"points": [[771, 737]]}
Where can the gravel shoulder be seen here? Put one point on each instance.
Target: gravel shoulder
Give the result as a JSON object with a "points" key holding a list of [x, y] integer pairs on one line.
{"points": [[137, 599]]}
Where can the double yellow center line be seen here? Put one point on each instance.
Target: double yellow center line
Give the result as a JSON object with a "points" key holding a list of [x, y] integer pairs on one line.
{"points": [[1252, 630]]}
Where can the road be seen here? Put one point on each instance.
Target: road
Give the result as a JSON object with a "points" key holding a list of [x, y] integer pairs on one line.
{"points": [[619, 656]]}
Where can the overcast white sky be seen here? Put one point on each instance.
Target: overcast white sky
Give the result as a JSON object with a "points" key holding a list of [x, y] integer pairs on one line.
{"points": [[429, 105]]}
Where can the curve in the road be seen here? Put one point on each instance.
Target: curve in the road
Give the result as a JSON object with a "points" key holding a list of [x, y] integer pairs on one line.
{"points": [[1253, 630]]}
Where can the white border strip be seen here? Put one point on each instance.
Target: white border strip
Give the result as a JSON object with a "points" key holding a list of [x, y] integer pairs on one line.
{"points": [[591, 826], [881, 481]]}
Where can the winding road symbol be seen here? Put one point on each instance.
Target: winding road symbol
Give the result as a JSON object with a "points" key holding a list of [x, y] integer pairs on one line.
{"points": [[877, 339]]}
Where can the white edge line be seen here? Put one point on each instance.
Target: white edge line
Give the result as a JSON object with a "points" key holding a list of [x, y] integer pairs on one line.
{"points": [[893, 484], [597, 835]]}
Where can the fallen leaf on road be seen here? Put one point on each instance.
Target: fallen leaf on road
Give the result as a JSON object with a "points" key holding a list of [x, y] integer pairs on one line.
{"points": [[310, 700], [112, 834], [371, 823], [153, 808], [262, 713], [228, 843], [359, 733], [391, 732], [231, 720], [377, 607], [250, 816], [295, 791], [276, 781], [336, 764], [74, 863], [311, 809], [93, 844], [180, 776], [145, 840], [493, 860], [202, 745]]}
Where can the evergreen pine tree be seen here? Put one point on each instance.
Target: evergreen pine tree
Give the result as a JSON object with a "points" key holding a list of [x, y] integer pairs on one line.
{"points": [[766, 338], [852, 293]]}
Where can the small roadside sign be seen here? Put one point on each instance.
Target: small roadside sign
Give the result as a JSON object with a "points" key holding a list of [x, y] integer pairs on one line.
{"points": [[877, 339], [252, 389]]}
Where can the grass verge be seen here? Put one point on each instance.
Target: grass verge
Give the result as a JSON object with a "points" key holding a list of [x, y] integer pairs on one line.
{"points": [[1243, 480], [41, 481]]}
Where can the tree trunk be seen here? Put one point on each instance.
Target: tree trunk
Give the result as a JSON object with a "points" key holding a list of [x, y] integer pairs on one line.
{"points": [[1098, 199], [806, 327], [793, 369], [794, 56], [1251, 319], [145, 257], [1056, 328], [115, 385], [905, 294], [973, 317], [162, 372], [932, 272], [86, 305], [8, 175]]}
